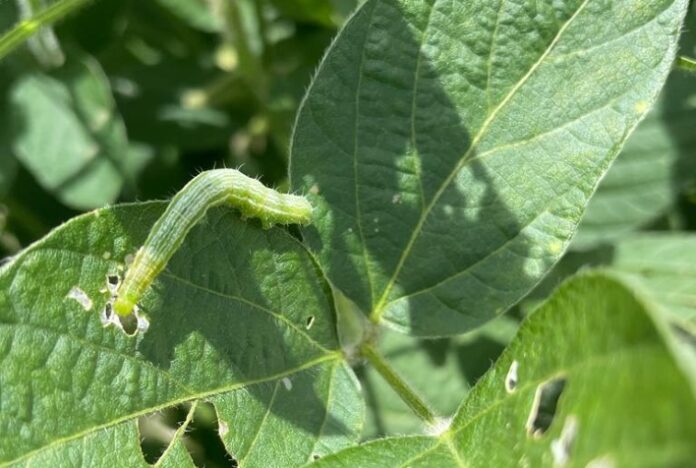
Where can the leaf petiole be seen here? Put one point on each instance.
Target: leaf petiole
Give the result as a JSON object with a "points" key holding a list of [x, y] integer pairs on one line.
{"points": [[407, 394], [24, 29]]}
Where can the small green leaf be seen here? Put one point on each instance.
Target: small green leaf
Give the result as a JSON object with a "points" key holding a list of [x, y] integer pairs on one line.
{"points": [[228, 325], [595, 380], [69, 135], [451, 147]]}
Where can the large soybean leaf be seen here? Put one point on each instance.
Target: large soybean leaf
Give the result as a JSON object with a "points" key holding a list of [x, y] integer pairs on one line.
{"points": [[613, 393], [69, 135], [656, 165], [450, 147], [442, 371], [229, 325]]}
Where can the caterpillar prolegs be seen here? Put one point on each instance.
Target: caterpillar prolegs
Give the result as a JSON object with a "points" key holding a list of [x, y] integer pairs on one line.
{"points": [[208, 189]]}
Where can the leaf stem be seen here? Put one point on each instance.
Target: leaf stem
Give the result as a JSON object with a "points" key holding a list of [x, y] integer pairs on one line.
{"points": [[417, 405], [686, 63], [250, 67], [28, 27]]}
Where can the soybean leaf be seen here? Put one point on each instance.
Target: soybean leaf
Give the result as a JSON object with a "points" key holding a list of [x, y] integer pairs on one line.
{"points": [[230, 325], [442, 371], [69, 135], [451, 147], [659, 264], [656, 165], [614, 394], [663, 267]]}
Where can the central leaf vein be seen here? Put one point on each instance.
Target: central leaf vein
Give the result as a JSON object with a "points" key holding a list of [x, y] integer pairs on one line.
{"points": [[468, 156]]}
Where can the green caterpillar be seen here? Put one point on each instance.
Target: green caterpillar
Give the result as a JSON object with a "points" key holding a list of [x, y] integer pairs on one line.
{"points": [[208, 189]]}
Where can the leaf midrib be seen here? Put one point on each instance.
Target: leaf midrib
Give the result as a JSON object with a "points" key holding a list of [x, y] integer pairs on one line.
{"points": [[379, 308]]}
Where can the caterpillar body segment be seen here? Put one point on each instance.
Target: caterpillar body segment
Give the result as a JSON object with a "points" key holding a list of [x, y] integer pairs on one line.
{"points": [[207, 190]]}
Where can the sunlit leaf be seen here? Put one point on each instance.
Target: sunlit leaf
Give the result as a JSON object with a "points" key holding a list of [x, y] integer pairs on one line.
{"points": [[451, 147], [596, 383], [228, 325]]}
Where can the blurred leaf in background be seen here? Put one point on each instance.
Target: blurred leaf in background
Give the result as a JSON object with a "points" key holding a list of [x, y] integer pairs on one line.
{"points": [[69, 136], [150, 94]]}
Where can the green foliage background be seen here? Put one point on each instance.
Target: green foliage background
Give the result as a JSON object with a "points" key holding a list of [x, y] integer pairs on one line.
{"points": [[138, 96]]}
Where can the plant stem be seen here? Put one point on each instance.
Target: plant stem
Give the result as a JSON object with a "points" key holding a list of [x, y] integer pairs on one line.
{"points": [[686, 63], [409, 397], [250, 65], [27, 28]]}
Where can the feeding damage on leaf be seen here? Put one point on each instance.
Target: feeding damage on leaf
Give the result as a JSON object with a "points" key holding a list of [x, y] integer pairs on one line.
{"points": [[561, 447], [544, 406], [80, 297], [511, 377], [131, 324]]}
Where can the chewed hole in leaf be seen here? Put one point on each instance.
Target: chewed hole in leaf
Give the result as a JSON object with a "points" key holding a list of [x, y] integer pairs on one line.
{"points": [[207, 431], [309, 322], [511, 377], [107, 316], [561, 447], [201, 436], [287, 383], [544, 406], [112, 282], [137, 322], [129, 323], [157, 431], [80, 297]]}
